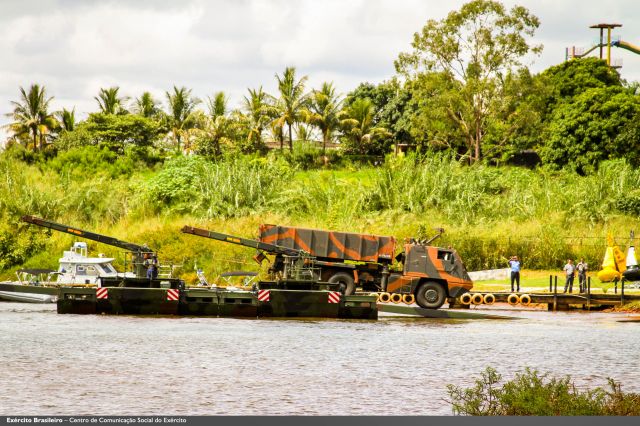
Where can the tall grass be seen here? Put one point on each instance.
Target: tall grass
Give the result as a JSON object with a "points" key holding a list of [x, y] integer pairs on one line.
{"points": [[232, 188], [489, 213]]}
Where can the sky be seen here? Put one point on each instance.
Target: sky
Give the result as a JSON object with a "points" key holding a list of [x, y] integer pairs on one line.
{"points": [[74, 48]]}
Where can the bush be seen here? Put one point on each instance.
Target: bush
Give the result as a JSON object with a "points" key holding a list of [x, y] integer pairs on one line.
{"points": [[534, 394], [235, 187], [628, 203]]}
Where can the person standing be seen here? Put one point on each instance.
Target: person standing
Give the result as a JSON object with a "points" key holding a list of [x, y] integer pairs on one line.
{"points": [[570, 270], [515, 266], [582, 267]]}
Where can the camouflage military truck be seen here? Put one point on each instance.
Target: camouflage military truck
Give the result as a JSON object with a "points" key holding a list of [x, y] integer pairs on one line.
{"points": [[432, 274]]}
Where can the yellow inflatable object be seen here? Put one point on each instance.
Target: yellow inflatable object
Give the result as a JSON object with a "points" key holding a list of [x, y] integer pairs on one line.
{"points": [[396, 297], [525, 300], [613, 258]]}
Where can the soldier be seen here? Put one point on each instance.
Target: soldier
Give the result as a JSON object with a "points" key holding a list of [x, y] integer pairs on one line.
{"points": [[515, 266], [582, 268], [570, 270], [151, 262]]}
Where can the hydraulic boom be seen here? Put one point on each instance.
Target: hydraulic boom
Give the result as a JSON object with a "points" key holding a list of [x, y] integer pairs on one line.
{"points": [[258, 245], [138, 251]]}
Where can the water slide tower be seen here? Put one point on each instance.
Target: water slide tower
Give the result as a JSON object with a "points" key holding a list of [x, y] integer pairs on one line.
{"points": [[608, 27]]}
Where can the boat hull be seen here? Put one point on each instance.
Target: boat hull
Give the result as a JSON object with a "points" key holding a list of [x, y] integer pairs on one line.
{"points": [[28, 293]]}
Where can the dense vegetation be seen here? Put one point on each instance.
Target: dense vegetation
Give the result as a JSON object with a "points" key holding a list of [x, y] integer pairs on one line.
{"points": [[533, 394], [462, 102]]}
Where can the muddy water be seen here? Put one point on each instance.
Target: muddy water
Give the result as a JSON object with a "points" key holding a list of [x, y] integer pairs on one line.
{"points": [[100, 365]]}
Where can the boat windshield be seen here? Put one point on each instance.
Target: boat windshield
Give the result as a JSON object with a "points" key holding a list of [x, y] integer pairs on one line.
{"points": [[108, 268], [87, 270]]}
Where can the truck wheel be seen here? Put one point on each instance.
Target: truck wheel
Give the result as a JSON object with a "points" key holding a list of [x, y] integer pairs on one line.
{"points": [[347, 286], [430, 295]]}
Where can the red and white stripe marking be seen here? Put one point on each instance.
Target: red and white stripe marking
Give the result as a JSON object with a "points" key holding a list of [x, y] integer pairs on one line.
{"points": [[173, 294], [263, 295], [334, 297], [102, 293]]}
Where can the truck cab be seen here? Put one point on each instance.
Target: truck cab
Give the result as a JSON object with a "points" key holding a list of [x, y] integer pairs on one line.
{"points": [[431, 274]]}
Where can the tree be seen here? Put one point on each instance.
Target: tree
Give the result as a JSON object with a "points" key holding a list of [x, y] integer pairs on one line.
{"points": [[109, 102], [474, 49], [600, 124], [362, 136], [259, 109], [146, 106], [291, 102], [119, 131], [67, 119], [217, 104], [32, 120], [214, 130], [390, 101], [181, 108], [322, 111]]}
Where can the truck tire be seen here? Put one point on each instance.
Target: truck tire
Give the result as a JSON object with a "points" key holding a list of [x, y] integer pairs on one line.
{"points": [[430, 295], [347, 285]]}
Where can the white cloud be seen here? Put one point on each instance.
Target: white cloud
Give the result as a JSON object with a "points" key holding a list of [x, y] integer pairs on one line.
{"points": [[76, 48]]}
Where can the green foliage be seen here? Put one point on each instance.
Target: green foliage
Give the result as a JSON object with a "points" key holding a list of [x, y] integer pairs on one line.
{"points": [[307, 156], [109, 102], [533, 394], [119, 131], [292, 100], [569, 79], [92, 160], [33, 123], [472, 50], [227, 189], [362, 136], [628, 203], [390, 103], [17, 245], [592, 129]]}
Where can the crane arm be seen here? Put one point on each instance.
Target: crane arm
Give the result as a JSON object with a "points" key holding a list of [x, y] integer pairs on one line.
{"points": [[136, 248], [269, 248]]}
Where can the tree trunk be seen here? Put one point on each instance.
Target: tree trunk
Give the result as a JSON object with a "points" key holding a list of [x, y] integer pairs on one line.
{"points": [[290, 139], [325, 136]]}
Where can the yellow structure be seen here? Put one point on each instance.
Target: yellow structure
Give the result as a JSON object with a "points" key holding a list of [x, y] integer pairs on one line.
{"points": [[614, 263]]}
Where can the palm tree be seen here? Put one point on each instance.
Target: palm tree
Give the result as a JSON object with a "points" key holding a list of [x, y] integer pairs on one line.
{"points": [[357, 120], [146, 105], [292, 100], [67, 119], [32, 120], [109, 101], [217, 104], [181, 108], [259, 111], [322, 112]]}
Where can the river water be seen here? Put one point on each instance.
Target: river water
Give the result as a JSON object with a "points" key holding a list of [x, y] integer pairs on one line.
{"points": [[119, 365]]}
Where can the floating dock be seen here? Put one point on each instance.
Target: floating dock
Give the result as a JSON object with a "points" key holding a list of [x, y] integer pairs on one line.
{"points": [[554, 301], [263, 303]]}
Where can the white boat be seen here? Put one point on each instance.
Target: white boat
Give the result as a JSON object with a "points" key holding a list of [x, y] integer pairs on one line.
{"points": [[76, 268]]}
